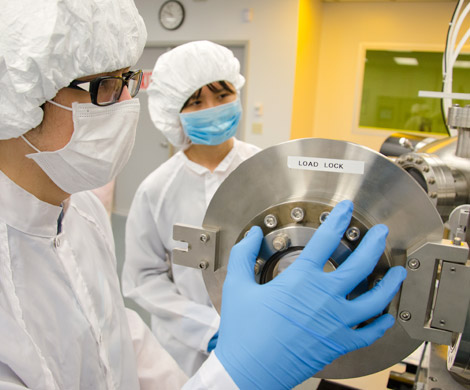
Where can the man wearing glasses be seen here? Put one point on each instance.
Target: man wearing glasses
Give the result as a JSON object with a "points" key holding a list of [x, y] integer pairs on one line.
{"points": [[67, 125]]}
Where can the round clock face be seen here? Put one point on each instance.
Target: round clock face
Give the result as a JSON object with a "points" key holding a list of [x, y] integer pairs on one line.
{"points": [[171, 14]]}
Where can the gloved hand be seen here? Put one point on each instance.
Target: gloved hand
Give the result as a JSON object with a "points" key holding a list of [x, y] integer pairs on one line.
{"points": [[212, 342], [277, 335]]}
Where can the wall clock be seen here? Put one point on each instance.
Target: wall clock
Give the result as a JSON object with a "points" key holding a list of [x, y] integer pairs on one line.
{"points": [[171, 14]]}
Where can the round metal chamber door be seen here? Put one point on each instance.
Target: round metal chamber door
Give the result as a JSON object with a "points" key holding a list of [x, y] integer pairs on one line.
{"points": [[288, 189]]}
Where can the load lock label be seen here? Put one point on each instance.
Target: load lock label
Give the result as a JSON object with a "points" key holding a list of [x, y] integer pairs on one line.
{"points": [[325, 164]]}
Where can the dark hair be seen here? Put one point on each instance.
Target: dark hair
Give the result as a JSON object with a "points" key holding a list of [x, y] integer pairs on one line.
{"points": [[212, 88]]}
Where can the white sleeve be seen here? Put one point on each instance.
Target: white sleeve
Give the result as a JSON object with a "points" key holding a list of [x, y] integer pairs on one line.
{"points": [[211, 376], [145, 280], [156, 369]]}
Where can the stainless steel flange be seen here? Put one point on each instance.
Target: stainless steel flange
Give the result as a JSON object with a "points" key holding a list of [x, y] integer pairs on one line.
{"points": [[314, 175]]}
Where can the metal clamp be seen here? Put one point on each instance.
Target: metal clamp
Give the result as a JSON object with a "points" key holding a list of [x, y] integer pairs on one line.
{"points": [[434, 298], [202, 247]]}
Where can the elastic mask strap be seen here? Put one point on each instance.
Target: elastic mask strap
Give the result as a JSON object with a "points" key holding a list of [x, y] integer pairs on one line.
{"points": [[60, 105], [30, 144]]}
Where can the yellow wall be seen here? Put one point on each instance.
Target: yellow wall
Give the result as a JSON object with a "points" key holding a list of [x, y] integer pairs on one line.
{"points": [[345, 28], [308, 48]]}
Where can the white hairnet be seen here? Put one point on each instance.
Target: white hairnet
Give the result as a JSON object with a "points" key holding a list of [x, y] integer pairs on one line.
{"points": [[181, 72], [45, 44]]}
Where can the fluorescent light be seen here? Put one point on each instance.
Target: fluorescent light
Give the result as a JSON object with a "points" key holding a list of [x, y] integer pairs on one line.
{"points": [[462, 64], [406, 61]]}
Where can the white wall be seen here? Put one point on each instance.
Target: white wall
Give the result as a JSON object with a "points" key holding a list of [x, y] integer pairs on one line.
{"points": [[270, 52]]}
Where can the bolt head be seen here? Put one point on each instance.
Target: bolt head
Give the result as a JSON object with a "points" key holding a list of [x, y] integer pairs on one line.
{"points": [[297, 214], [323, 216], [353, 233], [270, 221], [204, 237], [203, 265], [414, 264], [405, 315]]}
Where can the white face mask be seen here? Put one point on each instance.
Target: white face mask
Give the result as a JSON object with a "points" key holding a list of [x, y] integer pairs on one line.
{"points": [[100, 146]]}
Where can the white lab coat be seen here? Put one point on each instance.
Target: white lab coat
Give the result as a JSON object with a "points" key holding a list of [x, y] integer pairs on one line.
{"points": [[179, 191], [63, 325]]}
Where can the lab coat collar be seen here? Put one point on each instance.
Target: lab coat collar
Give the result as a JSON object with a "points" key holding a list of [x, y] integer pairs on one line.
{"points": [[222, 167], [26, 213]]}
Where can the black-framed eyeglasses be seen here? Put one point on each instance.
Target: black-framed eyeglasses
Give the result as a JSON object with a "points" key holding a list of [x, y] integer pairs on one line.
{"points": [[107, 90]]}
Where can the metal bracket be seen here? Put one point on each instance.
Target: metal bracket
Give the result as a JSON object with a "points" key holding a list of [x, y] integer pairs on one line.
{"points": [[434, 298], [202, 247]]}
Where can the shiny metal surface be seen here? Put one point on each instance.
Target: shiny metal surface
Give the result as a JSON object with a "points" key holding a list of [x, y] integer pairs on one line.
{"points": [[442, 174], [380, 190]]}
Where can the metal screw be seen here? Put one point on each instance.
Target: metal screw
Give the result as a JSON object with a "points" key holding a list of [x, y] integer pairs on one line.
{"points": [[425, 168], [297, 214], [414, 264], [442, 322], [258, 266], [400, 161], [281, 242], [409, 158], [452, 269], [204, 237], [203, 264], [405, 315], [353, 233], [419, 161], [433, 194], [323, 216], [431, 180], [270, 221], [432, 379]]}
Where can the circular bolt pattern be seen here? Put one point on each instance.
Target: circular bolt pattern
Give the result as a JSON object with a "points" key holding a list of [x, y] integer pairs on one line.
{"points": [[414, 263], [203, 264], [297, 214], [270, 221], [405, 315], [353, 233], [204, 237], [323, 216]]}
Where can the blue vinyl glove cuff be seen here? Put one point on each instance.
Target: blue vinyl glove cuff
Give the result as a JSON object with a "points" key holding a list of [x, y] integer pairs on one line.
{"points": [[277, 335], [212, 342]]}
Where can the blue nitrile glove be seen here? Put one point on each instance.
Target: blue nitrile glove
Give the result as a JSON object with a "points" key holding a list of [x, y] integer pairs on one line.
{"points": [[277, 335], [212, 342]]}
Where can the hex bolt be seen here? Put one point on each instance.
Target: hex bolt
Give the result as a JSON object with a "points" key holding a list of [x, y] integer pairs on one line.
{"points": [[323, 216], [204, 237], [281, 242], [400, 161], [270, 221], [419, 161], [258, 266], [353, 233], [203, 264], [405, 315], [433, 195], [409, 158], [414, 264], [425, 168], [431, 180], [297, 214]]}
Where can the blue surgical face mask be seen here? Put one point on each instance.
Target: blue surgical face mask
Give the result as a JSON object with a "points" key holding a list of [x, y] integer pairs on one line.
{"points": [[212, 126]]}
